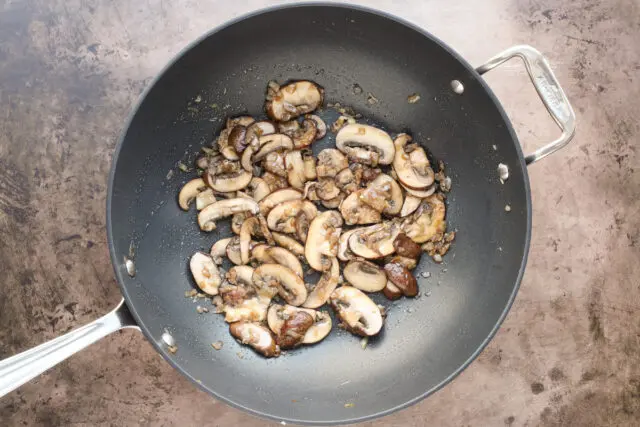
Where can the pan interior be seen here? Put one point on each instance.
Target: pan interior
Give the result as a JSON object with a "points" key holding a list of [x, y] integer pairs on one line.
{"points": [[425, 341]]}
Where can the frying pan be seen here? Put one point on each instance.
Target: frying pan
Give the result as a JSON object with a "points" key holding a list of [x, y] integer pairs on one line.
{"points": [[425, 342]]}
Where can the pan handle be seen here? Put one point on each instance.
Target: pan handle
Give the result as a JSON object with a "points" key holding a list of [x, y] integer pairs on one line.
{"points": [[548, 89], [23, 367]]}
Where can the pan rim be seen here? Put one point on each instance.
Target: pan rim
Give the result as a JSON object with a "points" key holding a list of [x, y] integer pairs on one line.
{"points": [[119, 273]]}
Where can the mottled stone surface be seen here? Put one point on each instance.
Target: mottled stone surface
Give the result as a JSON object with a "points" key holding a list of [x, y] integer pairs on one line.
{"points": [[569, 351]]}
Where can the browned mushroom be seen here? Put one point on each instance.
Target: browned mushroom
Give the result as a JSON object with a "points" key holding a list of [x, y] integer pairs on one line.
{"points": [[383, 194], [354, 211], [205, 273], [411, 164], [293, 99], [402, 278], [294, 165], [309, 165], [428, 221], [322, 240], [365, 276], [325, 286], [290, 286], [277, 197], [224, 208], [256, 336], [406, 247], [365, 144], [189, 192], [321, 126], [330, 162], [305, 136], [320, 326], [357, 311], [391, 291], [375, 241]]}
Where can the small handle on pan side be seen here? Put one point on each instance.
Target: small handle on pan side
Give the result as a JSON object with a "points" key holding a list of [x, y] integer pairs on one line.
{"points": [[548, 89], [23, 367]]}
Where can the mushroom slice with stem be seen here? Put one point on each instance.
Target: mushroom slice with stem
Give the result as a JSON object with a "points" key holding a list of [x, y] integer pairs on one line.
{"points": [[330, 161], [294, 165], [289, 127], [411, 164], [365, 276], [274, 163], [293, 100], [288, 243], [256, 336], [259, 189], [271, 143], [274, 181], [309, 165], [189, 192], [410, 205], [278, 197], [321, 126], [391, 291], [233, 251], [305, 136], [327, 189], [322, 240], [293, 329], [375, 241], [205, 198], [402, 278], [224, 208], [354, 211], [428, 222], [225, 147], [237, 220], [365, 144], [205, 273], [225, 183], [420, 193], [278, 315], [284, 216], [344, 252], [327, 283], [219, 250], [290, 286], [346, 181], [384, 195], [357, 311], [408, 263], [265, 254]]}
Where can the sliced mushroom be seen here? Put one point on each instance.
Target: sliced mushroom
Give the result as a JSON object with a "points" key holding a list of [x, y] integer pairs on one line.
{"points": [[243, 302], [290, 286], [309, 191], [391, 291], [346, 181], [365, 276], [225, 148], [294, 99], [293, 330], [289, 243], [335, 202], [354, 211], [428, 221], [189, 192], [294, 165], [271, 143], [402, 278], [274, 181], [408, 263], [259, 189], [219, 250], [274, 163], [406, 247], [205, 198], [410, 205], [238, 138], [225, 183], [233, 251], [322, 239], [411, 164], [305, 135], [327, 189], [283, 217], [265, 254], [309, 165], [255, 131], [326, 285], [422, 194], [239, 120], [344, 252], [289, 127], [224, 208], [321, 126], [240, 275], [375, 241], [256, 336], [205, 273], [330, 162], [301, 224], [252, 227], [354, 139], [319, 329], [384, 195], [237, 220], [357, 311], [278, 197]]}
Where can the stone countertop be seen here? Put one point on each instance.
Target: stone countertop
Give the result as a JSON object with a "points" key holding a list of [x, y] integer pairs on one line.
{"points": [[567, 354]]}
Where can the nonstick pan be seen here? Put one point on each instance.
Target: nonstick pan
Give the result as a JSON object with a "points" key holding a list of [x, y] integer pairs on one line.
{"points": [[425, 342]]}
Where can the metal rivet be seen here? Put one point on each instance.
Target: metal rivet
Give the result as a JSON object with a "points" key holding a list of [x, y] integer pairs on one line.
{"points": [[457, 86], [503, 172], [130, 267], [168, 339]]}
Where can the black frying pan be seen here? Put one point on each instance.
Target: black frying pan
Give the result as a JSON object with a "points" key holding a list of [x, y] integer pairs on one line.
{"points": [[425, 342]]}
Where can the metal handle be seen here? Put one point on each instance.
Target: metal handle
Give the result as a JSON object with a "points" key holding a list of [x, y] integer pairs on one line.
{"points": [[23, 367], [548, 89]]}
